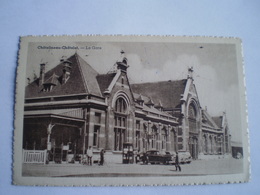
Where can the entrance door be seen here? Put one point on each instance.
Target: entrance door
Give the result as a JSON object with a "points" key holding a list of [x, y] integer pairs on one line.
{"points": [[194, 148], [64, 141]]}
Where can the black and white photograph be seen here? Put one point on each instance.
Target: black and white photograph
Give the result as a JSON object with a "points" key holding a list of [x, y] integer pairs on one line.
{"points": [[130, 110]]}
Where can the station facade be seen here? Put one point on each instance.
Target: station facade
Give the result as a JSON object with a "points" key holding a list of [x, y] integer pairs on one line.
{"points": [[72, 107]]}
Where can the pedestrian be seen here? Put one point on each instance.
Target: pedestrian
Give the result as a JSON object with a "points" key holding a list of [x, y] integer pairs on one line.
{"points": [[135, 156], [101, 157], [89, 155], [177, 165]]}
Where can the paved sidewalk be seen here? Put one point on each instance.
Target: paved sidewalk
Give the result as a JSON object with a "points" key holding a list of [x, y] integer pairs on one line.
{"points": [[198, 167]]}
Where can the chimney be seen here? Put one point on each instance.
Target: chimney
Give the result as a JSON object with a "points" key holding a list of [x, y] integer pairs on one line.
{"points": [[66, 71], [42, 74]]}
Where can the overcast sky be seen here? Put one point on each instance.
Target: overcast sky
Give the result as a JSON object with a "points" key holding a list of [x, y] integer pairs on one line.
{"points": [[215, 71]]}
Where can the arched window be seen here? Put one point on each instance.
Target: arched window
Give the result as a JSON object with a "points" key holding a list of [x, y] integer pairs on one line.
{"points": [[210, 144], [120, 105], [137, 135], [120, 124], [192, 114], [226, 140], [154, 137], [205, 144], [164, 138], [215, 145], [192, 111]]}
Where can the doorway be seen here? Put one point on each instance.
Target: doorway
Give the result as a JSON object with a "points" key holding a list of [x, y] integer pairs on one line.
{"points": [[193, 143]]}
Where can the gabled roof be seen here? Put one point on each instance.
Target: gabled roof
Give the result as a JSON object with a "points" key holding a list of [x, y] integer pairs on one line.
{"points": [[208, 120], [53, 80], [81, 80], [169, 92], [156, 111], [139, 98], [159, 105], [150, 102], [104, 80], [218, 120]]}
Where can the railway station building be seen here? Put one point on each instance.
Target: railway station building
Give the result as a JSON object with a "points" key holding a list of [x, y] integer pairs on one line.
{"points": [[72, 106]]}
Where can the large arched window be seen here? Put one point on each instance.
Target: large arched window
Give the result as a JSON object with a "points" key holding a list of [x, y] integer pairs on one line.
{"points": [[164, 138], [120, 123], [192, 115], [192, 111], [154, 137], [120, 105]]}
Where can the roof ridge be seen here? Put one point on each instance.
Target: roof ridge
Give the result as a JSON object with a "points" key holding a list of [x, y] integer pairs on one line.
{"points": [[150, 101], [106, 74], [210, 119], [89, 76], [159, 81], [81, 73]]}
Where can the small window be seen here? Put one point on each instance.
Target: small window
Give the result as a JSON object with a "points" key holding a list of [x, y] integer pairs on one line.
{"points": [[97, 118], [47, 87], [137, 140], [179, 131], [137, 125]]}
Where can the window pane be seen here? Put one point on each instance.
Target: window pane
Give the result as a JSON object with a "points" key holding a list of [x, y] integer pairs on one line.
{"points": [[138, 125], [120, 121], [123, 124], [115, 121]]}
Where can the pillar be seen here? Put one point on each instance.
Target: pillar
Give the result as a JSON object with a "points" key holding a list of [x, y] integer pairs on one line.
{"points": [[168, 138], [159, 138], [148, 133]]}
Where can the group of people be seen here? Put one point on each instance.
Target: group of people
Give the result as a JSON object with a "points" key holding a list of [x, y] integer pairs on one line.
{"points": [[101, 162], [90, 155]]}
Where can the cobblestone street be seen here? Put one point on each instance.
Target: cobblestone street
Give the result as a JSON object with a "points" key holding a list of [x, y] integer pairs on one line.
{"points": [[198, 167]]}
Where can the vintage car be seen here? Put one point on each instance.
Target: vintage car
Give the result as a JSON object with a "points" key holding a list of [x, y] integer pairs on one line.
{"points": [[184, 157], [154, 157]]}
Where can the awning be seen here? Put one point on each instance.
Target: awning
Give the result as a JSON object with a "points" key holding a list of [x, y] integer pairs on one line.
{"points": [[72, 114], [236, 144]]}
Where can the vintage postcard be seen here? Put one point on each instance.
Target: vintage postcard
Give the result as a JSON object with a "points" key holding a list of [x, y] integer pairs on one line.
{"points": [[130, 110]]}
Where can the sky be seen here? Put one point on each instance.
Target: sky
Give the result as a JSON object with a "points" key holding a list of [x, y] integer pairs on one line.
{"points": [[215, 68]]}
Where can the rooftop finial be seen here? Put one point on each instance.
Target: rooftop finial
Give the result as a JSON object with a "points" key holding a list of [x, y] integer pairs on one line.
{"points": [[123, 64], [190, 72]]}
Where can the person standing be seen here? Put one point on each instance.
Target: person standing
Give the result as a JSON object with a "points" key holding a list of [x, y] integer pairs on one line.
{"points": [[89, 155], [177, 165], [101, 157]]}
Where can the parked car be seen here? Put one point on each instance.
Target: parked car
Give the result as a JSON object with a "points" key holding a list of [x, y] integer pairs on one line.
{"points": [[154, 157], [170, 159], [184, 157], [239, 155]]}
